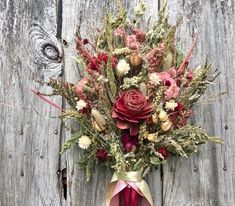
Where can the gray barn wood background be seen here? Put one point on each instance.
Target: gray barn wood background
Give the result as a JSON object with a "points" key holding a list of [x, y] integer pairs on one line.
{"points": [[32, 172]]}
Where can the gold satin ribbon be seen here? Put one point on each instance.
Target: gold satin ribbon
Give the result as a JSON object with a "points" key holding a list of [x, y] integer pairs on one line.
{"points": [[135, 177]]}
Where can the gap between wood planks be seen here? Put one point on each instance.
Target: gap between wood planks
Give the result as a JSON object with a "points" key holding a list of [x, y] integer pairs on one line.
{"points": [[62, 173]]}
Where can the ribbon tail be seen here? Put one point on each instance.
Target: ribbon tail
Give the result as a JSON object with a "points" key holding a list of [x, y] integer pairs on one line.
{"points": [[109, 193], [135, 197], [147, 197]]}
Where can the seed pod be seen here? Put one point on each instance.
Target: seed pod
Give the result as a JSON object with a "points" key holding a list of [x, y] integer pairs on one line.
{"points": [[163, 116], [135, 60], [99, 119], [165, 126], [98, 127], [167, 62]]}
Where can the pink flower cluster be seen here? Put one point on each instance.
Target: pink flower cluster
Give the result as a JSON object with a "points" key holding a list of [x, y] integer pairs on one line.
{"points": [[172, 89], [154, 58]]}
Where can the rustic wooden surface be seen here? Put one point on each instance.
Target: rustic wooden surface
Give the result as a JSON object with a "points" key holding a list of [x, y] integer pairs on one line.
{"points": [[29, 137], [30, 165]]}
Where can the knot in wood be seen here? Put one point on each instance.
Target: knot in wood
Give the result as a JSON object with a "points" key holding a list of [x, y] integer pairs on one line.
{"points": [[51, 52]]}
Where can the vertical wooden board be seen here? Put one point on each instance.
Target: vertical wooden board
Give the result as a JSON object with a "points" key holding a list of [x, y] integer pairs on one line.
{"points": [[207, 178], [29, 137], [89, 14]]}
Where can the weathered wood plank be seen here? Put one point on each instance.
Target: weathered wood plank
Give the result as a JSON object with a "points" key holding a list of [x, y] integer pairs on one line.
{"points": [[89, 14], [207, 178], [30, 138], [30, 142]]}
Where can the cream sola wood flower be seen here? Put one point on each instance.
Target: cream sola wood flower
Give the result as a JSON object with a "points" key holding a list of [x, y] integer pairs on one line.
{"points": [[84, 142], [171, 105], [122, 68], [154, 78], [81, 104]]}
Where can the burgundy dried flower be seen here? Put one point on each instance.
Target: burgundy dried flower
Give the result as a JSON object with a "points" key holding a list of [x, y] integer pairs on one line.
{"points": [[94, 65], [129, 142], [103, 57], [164, 152], [173, 116], [101, 154], [85, 41]]}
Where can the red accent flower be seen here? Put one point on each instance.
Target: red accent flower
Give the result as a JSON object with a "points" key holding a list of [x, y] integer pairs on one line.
{"points": [[85, 41], [129, 141], [94, 65], [114, 62], [164, 152], [101, 154], [173, 116], [167, 83], [130, 108], [103, 57]]}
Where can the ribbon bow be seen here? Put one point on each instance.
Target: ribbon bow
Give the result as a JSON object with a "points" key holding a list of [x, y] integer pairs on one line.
{"points": [[121, 181]]}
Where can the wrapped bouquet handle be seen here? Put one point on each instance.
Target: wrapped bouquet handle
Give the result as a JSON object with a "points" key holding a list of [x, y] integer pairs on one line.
{"points": [[127, 188]]}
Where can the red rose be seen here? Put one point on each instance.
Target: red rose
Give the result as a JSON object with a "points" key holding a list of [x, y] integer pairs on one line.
{"points": [[164, 152], [101, 154], [130, 108]]}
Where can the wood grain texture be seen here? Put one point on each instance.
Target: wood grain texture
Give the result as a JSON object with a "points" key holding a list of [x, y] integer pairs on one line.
{"points": [[29, 137], [207, 178], [30, 140]]}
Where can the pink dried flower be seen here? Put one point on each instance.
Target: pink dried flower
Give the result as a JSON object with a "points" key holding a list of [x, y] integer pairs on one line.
{"points": [[154, 58], [119, 32], [79, 88], [140, 35], [173, 72], [173, 90], [131, 42]]}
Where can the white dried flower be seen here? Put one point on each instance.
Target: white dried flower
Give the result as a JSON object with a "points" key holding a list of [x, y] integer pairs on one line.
{"points": [[152, 137], [81, 104], [122, 68], [102, 79], [171, 105], [154, 78], [84, 142]]}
